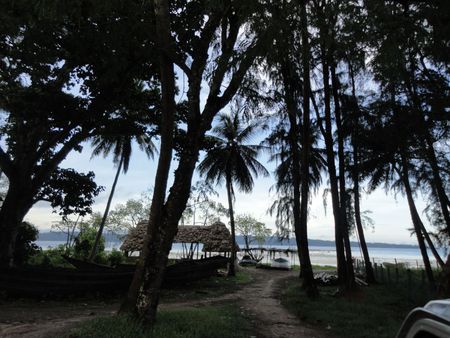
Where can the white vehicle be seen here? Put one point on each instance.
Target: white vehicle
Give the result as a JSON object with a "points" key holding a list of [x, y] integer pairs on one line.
{"points": [[430, 321]]}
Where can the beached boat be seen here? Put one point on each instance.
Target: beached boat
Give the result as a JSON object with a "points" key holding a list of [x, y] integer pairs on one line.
{"points": [[36, 281], [247, 261], [280, 263]]}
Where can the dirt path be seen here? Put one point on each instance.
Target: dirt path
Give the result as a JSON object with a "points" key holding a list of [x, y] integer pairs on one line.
{"points": [[258, 301], [261, 302], [39, 319]]}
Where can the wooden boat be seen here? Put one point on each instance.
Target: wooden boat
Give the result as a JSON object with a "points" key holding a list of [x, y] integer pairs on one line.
{"points": [[35, 281], [280, 264], [247, 261]]}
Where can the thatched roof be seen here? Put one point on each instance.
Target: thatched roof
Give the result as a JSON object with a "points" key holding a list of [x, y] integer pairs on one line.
{"points": [[215, 237]]}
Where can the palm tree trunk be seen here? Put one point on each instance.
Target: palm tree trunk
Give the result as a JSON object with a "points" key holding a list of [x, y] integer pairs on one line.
{"points": [[340, 254], [342, 191], [143, 296], [291, 105], [307, 272], [231, 269], [370, 276], [416, 220], [105, 214]]}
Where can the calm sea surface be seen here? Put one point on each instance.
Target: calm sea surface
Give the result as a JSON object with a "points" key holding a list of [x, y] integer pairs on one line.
{"points": [[320, 255]]}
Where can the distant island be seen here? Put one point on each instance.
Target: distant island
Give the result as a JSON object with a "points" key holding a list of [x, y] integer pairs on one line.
{"points": [[60, 237]]}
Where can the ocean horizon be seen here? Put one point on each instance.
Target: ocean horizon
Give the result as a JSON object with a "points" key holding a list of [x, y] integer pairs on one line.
{"points": [[320, 254]]}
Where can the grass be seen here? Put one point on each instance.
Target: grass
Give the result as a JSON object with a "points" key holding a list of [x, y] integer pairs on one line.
{"points": [[211, 287], [375, 311], [207, 322]]}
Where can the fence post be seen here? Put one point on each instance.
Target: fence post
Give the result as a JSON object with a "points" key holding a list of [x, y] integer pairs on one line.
{"points": [[382, 273], [396, 271], [388, 274]]}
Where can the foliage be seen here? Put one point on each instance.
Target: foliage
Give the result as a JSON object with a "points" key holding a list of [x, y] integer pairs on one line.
{"points": [[67, 72], [85, 240], [25, 247], [200, 207], [70, 191], [211, 322], [126, 216], [115, 257], [251, 229], [231, 156], [51, 257]]}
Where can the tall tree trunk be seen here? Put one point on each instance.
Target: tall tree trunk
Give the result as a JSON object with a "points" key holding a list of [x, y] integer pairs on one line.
{"points": [[340, 254], [105, 214], [143, 296], [14, 208], [231, 269], [307, 272], [416, 220], [437, 181], [370, 276], [430, 244], [342, 190], [290, 99]]}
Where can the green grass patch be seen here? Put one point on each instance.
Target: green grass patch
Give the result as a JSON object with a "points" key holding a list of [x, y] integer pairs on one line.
{"points": [[207, 322], [375, 311], [323, 268], [211, 287]]}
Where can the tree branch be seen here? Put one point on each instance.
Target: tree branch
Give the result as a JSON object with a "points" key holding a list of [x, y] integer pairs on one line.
{"points": [[52, 164]]}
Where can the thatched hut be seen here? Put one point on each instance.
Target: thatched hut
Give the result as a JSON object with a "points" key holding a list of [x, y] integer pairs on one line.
{"points": [[215, 237]]}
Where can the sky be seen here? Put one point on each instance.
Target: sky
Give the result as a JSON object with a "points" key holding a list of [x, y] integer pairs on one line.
{"points": [[390, 215]]}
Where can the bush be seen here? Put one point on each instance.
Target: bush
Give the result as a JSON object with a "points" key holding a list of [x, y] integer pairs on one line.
{"points": [[51, 257], [25, 247], [84, 243], [115, 257]]}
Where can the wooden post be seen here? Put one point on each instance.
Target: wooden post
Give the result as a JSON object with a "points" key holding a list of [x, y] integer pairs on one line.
{"points": [[396, 271], [388, 274], [382, 273]]}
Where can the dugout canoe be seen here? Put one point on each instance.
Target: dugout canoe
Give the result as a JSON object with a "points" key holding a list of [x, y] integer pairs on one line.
{"points": [[38, 282]]}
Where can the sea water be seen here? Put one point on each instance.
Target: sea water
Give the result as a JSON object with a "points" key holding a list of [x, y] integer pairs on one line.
{"points": [[320, 255]]}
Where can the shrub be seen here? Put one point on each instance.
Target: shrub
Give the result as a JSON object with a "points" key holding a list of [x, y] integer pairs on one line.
{"points": [[25, 246], [84, 243], [115, 257], [51, 257]]}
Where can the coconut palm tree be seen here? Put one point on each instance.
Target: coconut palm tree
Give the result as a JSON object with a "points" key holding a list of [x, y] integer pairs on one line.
{"points": [[233, 161], [119, 142]]}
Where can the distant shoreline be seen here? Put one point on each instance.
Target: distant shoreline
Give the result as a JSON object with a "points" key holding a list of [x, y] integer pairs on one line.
{"points": [[53, 237]]}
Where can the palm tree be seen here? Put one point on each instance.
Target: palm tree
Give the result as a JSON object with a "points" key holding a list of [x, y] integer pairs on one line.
{"points": [[233, 161], [119, 142]]}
